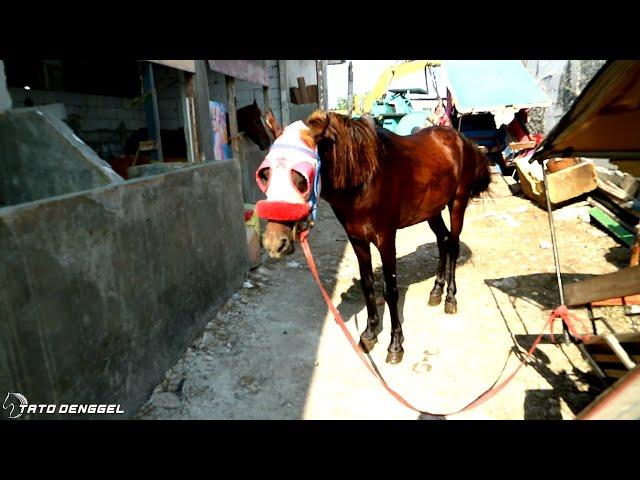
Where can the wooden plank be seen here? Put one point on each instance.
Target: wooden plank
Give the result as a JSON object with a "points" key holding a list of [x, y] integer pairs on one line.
{"points": [[621, 233], [613, 190], [313, 93], [296, 96], [621, 337], [595, 203], [233, 116], [616, 284], [517, 146], [203, 112], [611, 357], [618, 402], [304, 96], [613, 343]]}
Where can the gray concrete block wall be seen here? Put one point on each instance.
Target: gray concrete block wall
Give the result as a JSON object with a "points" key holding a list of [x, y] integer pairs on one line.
{"points": [[102, 291], [42, 157], [95, 112], [5, 98]]}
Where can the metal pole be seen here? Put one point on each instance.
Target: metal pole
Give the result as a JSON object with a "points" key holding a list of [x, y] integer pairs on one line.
{"points": [[554, 245]]}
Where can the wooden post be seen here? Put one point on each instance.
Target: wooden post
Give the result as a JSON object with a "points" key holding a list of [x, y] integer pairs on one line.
{"points": [[350, 91], [190, 92], [284, 92], [233, 117], [203, 112], [151, 111], [321, 75], [325, 101], [187, 114], [267, 100]]}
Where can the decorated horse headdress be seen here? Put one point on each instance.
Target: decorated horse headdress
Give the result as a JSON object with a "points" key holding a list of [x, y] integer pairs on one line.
{"points": [[286, 201]]}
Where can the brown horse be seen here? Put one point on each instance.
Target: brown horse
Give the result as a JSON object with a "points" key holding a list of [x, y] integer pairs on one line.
{"points": [[251, 121], [377, 182]]}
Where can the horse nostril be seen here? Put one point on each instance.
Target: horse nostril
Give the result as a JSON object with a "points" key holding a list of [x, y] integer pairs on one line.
{"points": [[283, 245]]}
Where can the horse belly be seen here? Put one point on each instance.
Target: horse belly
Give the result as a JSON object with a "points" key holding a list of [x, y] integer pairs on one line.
{"points": [[419, 208]]}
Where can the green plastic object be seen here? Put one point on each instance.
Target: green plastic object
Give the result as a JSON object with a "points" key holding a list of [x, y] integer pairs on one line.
{"points": [[618, 231]]}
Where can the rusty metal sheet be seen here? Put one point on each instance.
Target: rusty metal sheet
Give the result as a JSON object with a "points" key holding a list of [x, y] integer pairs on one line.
{"points": [[254, 71], [184, 65]]}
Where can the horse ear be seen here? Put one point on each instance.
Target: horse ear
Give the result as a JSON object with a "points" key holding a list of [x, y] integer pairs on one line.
{"points": [[272, 123], [318, 122]]}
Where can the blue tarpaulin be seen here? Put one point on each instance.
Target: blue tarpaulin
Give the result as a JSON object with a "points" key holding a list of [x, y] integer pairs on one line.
{"points": [[489, 85]]}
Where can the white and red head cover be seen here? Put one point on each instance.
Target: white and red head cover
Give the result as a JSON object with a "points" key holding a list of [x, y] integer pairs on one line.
{"points": [[289, 152]]}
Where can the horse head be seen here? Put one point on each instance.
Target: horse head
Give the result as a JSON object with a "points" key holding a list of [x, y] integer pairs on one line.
{"points": [[251, 122], [289, 178]]}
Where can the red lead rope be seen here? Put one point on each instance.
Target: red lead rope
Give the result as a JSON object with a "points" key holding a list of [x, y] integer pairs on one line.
{"points": [[561, 312]]}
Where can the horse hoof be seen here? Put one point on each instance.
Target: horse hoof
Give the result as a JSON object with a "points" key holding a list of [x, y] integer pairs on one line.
{"points": [[368, 344], [394, 357], [450, 307], [434, 300]]}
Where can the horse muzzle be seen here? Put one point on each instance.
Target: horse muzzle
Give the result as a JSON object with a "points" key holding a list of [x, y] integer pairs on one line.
{"points": [[278, 240]]}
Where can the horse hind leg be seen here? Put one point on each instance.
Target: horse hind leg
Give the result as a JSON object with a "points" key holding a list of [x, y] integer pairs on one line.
{"points": [[456, 210], [442, 234]]}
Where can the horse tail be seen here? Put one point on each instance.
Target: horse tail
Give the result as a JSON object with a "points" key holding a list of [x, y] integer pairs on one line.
{"points": [[482, 177]]}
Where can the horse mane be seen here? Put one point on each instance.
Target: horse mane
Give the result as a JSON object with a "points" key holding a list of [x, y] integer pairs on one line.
{"points": [[350, 148]]}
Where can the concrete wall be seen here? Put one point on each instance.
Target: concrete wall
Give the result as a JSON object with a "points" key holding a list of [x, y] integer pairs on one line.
{"points": [[41, 157], [562, 81], [102, 122], [250, 159], [103, 290], [5, 98]]}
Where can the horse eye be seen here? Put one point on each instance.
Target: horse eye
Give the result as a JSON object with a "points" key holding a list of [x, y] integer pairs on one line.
{"points": [[264, 176], [299, 181]]}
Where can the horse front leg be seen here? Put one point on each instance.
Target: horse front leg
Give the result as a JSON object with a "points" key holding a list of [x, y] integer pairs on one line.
{"points": [[387, 250], [369, 337]]}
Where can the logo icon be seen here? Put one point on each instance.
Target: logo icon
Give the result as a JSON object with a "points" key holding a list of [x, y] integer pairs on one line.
{"points": [[13, 402]]}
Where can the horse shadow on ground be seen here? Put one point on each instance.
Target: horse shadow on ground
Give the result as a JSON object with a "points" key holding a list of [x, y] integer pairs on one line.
{"points": [[415, 267], [619, 256], [541, 289]]}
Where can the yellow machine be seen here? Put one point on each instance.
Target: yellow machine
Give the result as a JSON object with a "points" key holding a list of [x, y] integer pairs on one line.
{"points": [[363, 103]]}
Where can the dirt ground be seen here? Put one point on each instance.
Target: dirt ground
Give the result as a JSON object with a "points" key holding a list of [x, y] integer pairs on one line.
{"points": [[274, 352]]}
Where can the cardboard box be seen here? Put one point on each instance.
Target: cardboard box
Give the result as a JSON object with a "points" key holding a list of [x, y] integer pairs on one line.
{"points": [[563, 185]]}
